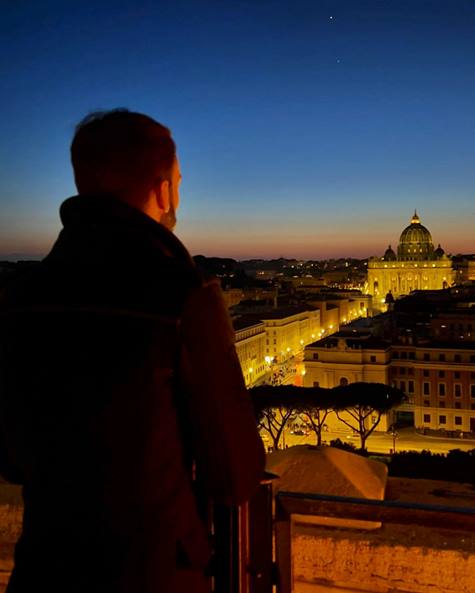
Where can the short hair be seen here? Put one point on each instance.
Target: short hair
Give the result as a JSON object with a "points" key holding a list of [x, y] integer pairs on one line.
{"points": [[131, 146]]}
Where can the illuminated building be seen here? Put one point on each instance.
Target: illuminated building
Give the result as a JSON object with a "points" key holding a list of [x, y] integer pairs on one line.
{"points": [[289, 330], [250, 335], [345, 358], [273, 337], [416, 266], [438, 378]]}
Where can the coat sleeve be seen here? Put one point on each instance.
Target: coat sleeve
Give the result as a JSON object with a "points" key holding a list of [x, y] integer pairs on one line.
{"points": [[226, 445]]}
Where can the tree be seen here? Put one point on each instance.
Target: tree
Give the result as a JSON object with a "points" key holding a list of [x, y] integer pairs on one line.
{"points": [[316, 417], [273, 408], [276, 404], [362, 402]]}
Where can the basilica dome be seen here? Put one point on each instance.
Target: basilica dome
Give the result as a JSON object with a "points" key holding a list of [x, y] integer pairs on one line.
{"points": [[415, 243]]}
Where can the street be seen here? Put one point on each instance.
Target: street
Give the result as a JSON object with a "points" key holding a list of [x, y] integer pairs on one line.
{"points": [[378, 442]]}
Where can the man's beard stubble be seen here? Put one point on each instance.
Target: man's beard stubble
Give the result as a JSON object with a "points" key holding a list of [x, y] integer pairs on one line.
{"points": [[168, 219]]}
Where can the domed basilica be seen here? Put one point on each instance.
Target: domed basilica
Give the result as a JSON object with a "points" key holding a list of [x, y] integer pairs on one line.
{"points": [[417, 266]]}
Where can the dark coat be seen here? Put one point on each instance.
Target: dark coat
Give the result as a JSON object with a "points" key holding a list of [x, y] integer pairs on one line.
{"points": [[117, 370]]}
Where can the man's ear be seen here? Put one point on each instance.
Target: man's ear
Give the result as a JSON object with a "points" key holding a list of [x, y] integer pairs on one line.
{"points": [[162, 191]]}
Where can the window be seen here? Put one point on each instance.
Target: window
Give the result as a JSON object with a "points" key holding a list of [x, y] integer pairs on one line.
{"points": [[441, 374], [372, 358], [441, 404], [395, 354], [472, 358], [275, 341], [426, 388], [402, 370], [457, 358], [412, 355], [427, 418], [472, 406], [410, 386], [472, 390], [315, 356], [426, 356], [410, 371], [426, 402], [343, 381], [472, 375], [457, 389], [442, 419], [425, 373], [457, 405], [442, 389], [442, 357], [402, 386], [404, 355], [316, 383], [457, 375], [458, 420]]}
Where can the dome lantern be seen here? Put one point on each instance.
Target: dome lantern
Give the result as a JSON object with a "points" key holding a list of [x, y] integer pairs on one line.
{"points": [[415, 243]]}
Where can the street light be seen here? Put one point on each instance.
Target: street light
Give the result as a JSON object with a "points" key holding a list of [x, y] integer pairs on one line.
{"points": [[395, 435]]}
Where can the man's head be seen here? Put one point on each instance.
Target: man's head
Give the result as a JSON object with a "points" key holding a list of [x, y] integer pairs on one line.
{"points": [[128, 155]]}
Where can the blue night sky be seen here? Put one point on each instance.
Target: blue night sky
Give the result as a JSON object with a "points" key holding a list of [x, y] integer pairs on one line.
{"points": [[305, 128]]}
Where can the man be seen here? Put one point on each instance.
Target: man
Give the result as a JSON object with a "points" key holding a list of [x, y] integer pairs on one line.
{"points": [[119, 378]]}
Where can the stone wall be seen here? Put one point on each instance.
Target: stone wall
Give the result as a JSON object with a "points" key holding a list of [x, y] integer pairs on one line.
{"points": [[388, 560], [11, 511]]}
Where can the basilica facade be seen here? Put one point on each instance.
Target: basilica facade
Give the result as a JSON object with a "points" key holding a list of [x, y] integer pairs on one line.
{"points": [[415, 266]]}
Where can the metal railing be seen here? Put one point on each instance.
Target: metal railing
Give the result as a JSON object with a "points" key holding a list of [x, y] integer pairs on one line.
{"points": [[245, 538], [387, 512]]}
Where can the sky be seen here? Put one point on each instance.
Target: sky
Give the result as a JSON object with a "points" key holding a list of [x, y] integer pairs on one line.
{"points": [[307, 129]]}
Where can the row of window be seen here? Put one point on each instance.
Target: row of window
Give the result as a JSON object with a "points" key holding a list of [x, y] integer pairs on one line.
{"points": [[426, 373], [442, 389], [441, 404], [443, 419], [435, 357]]}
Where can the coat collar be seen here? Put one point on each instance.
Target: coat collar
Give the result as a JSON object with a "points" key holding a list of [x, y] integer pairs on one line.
{"points": [[107, 214]]}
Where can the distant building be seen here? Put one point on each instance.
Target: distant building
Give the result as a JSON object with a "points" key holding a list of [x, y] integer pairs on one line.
{"points": [[233, 296], [416, 266], [425, 347], [289, 330], [251, 348], [348, 357]]}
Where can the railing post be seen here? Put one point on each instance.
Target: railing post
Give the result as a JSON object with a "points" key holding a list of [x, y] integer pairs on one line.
{"points": [[243, 548], [260, 539], [283, 548], [226, 539]]}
